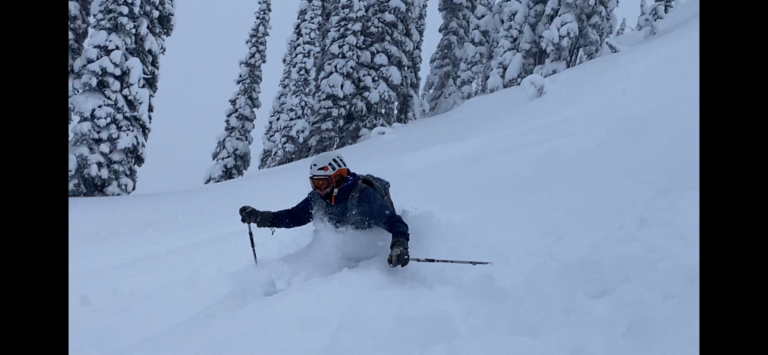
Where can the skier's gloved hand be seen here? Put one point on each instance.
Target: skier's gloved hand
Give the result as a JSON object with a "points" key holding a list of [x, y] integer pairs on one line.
{"points": [[262, 219], [399, 253]]}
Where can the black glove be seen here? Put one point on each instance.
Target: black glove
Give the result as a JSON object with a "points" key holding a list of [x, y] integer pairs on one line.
{"points": [[262, 219], [399, 253]]}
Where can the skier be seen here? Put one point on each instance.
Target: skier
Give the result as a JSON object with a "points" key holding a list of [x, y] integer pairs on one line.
{"points": [[341, 198]]}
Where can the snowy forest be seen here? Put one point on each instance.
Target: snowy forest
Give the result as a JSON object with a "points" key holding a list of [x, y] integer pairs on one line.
{"points": [[350, 68]]}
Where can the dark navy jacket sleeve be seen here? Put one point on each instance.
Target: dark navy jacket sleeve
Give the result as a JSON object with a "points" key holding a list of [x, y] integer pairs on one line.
{"points": [[374, 208], [296, 216]]}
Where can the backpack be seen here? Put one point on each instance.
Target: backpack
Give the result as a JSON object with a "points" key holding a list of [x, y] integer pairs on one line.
{"points": [[377, 184]]}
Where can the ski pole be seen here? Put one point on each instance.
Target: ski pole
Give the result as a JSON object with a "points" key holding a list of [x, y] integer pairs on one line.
{"points": [[450, 261], [250, 234]]}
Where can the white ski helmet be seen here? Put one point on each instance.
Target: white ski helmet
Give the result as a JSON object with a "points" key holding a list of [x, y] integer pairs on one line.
{"points": [[327, 163]]}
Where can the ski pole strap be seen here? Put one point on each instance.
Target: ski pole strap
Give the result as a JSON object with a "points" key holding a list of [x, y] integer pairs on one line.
{"points": [[427, 260]]}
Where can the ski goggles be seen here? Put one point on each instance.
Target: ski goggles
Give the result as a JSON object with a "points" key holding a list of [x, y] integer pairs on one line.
{"points": [[324, 182], [321, 182]]}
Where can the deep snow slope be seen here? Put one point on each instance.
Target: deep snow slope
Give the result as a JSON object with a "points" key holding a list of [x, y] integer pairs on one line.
{"points": [[586, 200]]}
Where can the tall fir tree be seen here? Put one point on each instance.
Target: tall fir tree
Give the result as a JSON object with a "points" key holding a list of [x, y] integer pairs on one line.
{"points": [[660, 8], [669, 5], [272, 135], [508, 59], [650, 13], [465, 76], [600, 22], [534, 56], [340, 102], [561, 40], [578, 31], [403, 41], [155, 25], [418, 26], [644, 20], [289, 127], [380, 97], [329, 9], [111, 105], [478, 49], [79, 11], [441, 89], [232, 155], [622, 27], [387, 54]]}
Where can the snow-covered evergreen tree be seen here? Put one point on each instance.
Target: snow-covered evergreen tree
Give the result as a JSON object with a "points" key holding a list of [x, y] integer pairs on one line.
{"points": [[508, 60], [534, 56], [330, 7], [340, 103], [489, 32], [465, 76], [441, 89], [388, 54], [600, 22], [232, 155], [155, 25], [561, 39], [78, 30], [419, 25], [660, 8], [650, 13], [111, 105], [272, 136], [580, 28], [376, 59], [622, 27], [289, 124], [644, 20], [475, 67], [403, 41]]}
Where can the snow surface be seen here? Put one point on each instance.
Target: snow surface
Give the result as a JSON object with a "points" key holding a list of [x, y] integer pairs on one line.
{"points": [[585, 199]]}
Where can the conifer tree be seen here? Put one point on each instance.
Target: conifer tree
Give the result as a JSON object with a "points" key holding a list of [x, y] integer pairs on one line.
{"points": [[578, 31], [111, 104], [418, 26], [534, 56], [408, 88], [479, 49], [79, 11], [441, 89], [289, 124], [339, 100], [622, 27], [376, 59], [508, 59], [232, 155], [155, 25], [644, 20]]}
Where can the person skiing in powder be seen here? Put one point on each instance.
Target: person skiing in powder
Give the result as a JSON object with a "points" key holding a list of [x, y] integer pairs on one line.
{"points": [[341, 198]]}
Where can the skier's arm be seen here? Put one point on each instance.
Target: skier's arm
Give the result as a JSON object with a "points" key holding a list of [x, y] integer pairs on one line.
{"points": [[296, 216], [381, 214]]}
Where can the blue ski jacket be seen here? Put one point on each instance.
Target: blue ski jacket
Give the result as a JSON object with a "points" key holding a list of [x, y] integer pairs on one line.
{"points": [[370, 210]]}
